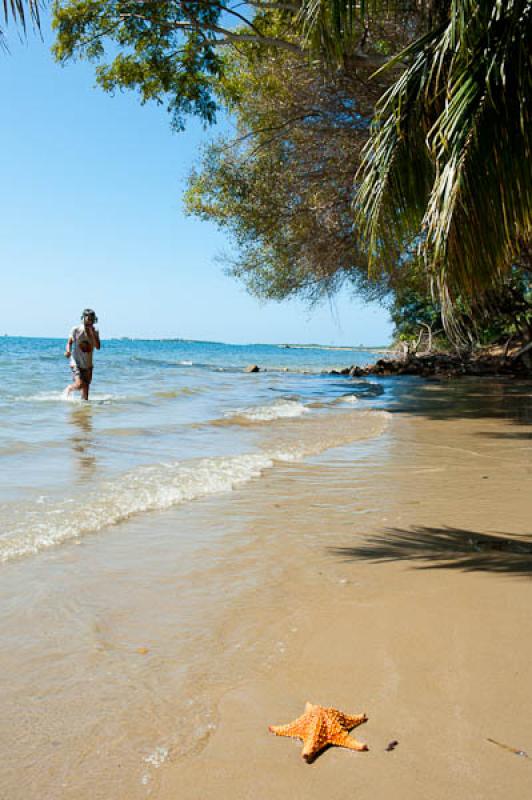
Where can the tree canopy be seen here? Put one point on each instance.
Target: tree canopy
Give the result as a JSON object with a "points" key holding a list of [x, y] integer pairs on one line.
{"points": [[283, 184], [171, 51], [448, 165], [377, 140]]}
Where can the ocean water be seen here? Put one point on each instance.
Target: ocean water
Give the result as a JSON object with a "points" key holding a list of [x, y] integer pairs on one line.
{"points": [[167, 422], [139, 530]]}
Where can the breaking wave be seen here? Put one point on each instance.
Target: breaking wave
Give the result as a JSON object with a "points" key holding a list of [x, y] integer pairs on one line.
{"points": [[281, 409], [36, 527]]}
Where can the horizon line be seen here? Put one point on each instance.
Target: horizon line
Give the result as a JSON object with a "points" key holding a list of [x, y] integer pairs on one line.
{"points": [[287, 345]]}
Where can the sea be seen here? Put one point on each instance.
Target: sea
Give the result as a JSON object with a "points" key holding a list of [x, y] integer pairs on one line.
{"points": [[146, 537], [167, 422]]}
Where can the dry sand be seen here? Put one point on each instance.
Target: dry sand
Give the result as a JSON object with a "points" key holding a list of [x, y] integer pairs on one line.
{"points": [[402, 589]]}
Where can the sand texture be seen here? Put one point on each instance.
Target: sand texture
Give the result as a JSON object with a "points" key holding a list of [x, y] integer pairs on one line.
{"points": [[417, 613]]}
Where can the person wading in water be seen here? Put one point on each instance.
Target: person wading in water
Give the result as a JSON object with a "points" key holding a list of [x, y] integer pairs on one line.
{"points": [[83, 340]]}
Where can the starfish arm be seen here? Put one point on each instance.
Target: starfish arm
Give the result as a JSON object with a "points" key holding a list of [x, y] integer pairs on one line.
{"points": [[315, 739], [343, 739], [295, 728], [354, 721]]}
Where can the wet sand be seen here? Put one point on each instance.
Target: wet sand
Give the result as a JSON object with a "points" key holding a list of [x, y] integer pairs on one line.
{"points": [[390, 576], [417, 613]]}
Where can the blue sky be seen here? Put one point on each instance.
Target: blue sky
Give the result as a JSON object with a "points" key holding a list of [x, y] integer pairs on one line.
{"points": [[91, 215]]}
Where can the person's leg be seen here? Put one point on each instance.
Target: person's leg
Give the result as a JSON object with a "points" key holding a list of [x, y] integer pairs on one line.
{"points": [[86, 378], [76, 384]]}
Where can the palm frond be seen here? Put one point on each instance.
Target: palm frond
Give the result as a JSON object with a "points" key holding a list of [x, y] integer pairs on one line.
{"points": [[335, 30], [21, 10], [396, 163], [449, 163]]}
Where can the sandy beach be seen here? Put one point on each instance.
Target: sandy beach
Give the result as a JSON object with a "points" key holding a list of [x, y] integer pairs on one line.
{"points": [[389, 575], [419, 617]]}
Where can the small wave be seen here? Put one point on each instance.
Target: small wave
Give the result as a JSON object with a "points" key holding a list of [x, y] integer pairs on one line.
{"points": [[129, 431], [170, 394], [349, 399], [74, 399], [293, 440], [65, 397], [162, 362], [160, 486], [147, 488], [46, 397], [280, 409]]}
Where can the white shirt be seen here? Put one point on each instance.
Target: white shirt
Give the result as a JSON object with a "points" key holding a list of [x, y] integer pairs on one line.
{"points": [[82, 347]]}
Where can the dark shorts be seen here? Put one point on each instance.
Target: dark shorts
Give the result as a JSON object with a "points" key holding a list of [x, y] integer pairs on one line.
{"points": [[84, 375]]}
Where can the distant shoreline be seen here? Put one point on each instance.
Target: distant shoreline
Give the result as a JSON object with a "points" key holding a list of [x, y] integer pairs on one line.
{"points": [[354, 348], [281, 345]]}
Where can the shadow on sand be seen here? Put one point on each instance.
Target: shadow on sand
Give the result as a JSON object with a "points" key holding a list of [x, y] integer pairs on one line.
{"points": [[467, 398], [445, 548]]}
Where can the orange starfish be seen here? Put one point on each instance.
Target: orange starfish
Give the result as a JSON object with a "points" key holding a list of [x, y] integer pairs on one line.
{"points": [[319, 727]]}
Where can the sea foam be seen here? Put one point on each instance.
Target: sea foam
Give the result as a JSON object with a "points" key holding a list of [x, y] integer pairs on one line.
{"points": [[160, 486], [281, 409], [65, 396], [147, 488]]}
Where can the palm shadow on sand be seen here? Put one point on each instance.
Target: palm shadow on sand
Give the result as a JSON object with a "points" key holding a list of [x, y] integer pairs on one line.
{"points": [[507, 400], [445, 548]]}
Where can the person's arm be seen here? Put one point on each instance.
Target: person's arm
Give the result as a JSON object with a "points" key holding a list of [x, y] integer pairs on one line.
{"points": [[68, 350], [95, 336]]}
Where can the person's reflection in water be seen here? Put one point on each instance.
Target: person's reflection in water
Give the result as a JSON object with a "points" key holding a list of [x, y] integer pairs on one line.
{"points": [[82, 442]]}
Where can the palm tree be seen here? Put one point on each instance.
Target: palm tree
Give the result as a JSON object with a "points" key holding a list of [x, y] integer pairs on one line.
{"points": [[20, 11], [447, 171]]}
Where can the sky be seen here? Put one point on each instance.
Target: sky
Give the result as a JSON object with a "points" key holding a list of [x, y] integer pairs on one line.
{"points": [[91, 216]]}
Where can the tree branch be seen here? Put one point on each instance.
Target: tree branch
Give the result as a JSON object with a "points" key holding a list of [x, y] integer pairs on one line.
{"points": [[229, 37]]}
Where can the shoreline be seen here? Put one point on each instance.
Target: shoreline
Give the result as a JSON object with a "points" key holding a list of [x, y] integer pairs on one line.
{"points": [[488, 362], [388, 575]]}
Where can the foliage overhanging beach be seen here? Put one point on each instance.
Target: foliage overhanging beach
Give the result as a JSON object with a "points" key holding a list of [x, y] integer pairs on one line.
{"points": [[385, 145]]}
